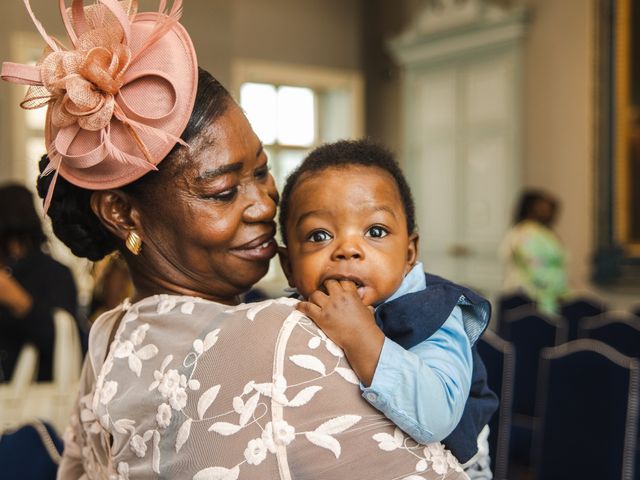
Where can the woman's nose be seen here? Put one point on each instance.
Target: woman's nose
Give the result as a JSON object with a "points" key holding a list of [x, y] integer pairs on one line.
{"points": [[348, 249], [264, 202]]}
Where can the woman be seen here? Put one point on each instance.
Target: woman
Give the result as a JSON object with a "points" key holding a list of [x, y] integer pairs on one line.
{"points": [[182, 381], [533, 253], [32, 284]]}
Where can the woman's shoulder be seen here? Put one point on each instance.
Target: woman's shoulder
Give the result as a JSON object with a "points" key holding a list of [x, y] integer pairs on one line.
{"points": [[179, 316]]}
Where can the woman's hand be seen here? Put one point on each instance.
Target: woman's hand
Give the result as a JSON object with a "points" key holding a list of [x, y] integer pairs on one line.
{"points": [[343, 317], [13, 296]]}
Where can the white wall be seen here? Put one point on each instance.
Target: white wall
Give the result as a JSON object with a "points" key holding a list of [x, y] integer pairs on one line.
{"points": [[558, 115]]}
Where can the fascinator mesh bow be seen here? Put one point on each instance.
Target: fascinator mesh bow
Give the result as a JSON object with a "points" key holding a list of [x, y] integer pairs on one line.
{"points": [[118, 98]]}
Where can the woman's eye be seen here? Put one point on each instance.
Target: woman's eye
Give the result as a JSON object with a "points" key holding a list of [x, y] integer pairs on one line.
{"points": [[262, 172], [319, 236], [225, 196], [377, 232]]}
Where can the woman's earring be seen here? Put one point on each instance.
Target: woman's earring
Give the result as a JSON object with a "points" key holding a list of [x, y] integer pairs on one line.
{"points": [[134, 243]]}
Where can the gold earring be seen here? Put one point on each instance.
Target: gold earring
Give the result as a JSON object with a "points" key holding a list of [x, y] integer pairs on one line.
{"points": [[134, 243]]}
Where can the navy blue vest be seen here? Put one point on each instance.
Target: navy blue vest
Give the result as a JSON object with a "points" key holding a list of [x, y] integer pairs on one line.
{"points": [[412, 318]]}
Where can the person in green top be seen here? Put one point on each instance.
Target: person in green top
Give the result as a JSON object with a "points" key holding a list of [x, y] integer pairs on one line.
{"points": [[534, 255]]}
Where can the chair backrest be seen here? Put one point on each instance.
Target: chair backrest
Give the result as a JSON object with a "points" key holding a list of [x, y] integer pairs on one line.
{"points": [[24, 398], [26, 369], [499, 359], [67, 353], [529, 331], [578, 308], [617, 329], [587, 413], [506, 303], [30, 451]]}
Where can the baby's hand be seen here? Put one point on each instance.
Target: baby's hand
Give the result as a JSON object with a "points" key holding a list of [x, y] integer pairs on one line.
{"points": [[340, 313], [347, 321]]}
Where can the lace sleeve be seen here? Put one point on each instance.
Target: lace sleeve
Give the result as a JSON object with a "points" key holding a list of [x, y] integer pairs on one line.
{"points": [[71, 465]]}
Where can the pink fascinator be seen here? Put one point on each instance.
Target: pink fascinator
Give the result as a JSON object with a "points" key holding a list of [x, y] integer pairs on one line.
{"points": [[118, 98]]}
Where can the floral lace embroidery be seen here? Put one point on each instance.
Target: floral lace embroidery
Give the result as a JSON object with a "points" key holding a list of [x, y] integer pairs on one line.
{"points": [[175, 388]]}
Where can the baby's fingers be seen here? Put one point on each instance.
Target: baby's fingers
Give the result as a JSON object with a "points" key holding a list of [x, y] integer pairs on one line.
{"points": [[349, 286], [318, 298], [309, 309]]}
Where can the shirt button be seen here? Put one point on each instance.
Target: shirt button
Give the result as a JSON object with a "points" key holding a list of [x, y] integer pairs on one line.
{"points": [[372, 397]]}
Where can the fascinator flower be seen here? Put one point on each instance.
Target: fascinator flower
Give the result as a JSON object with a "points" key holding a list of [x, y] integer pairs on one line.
{"points": [[118, 98]]}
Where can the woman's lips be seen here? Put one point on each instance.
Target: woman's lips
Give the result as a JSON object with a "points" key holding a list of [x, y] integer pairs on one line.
{"points": [[261, 249]]}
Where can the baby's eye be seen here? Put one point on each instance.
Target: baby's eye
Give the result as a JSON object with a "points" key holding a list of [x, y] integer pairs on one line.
{"points": [[319, 236], [377, 232]]}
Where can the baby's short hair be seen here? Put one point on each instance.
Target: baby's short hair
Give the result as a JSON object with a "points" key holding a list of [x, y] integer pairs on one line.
{"points": [[346, 153]]}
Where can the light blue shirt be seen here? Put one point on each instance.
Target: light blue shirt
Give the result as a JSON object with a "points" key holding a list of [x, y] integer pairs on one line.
{"points": [[423, 390]]}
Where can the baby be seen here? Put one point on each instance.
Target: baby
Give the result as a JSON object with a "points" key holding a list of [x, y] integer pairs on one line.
{"points": [[351, 248]]}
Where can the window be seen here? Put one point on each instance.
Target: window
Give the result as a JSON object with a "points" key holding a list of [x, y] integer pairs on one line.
{"points": [[293, 109], [28, 145], [285, 118]]}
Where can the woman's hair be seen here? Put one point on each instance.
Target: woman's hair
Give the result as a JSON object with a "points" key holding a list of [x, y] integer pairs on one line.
{"points": [[526, 209], [345, 153], [19, 221], [73, 220]]}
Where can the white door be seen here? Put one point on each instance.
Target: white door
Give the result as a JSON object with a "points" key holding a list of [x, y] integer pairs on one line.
{"points": [[463, 160]]}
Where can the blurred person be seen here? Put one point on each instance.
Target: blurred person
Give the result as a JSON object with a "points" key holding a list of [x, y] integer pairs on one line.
{"points": [[534, 256], [32, 284]]}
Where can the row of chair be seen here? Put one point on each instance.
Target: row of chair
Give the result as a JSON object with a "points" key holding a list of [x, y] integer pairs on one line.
{"points": [[572, 311], [583, 391], [23, 399]]}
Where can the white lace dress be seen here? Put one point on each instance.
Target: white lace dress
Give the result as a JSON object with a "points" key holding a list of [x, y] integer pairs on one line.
{"points": [[197, 390]]}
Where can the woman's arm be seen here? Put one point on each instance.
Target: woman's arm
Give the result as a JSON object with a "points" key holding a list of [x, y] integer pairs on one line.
{"points": [[13, 296]]}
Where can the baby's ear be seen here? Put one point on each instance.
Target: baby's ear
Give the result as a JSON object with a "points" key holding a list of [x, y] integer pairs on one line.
{"points": [[412, 251], [285, 263]]}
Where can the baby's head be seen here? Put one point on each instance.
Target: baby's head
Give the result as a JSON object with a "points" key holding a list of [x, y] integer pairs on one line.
{"points": [[347, 213]]}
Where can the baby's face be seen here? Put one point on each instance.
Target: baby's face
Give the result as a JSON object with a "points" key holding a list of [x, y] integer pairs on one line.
{"points": [[348, 223]]}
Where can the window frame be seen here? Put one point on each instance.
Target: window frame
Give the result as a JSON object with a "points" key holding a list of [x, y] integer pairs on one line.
{"points": [[319, 79], [616, 256]]}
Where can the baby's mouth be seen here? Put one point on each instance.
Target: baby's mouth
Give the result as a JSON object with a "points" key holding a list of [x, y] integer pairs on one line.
{"points": [[360, 286]]}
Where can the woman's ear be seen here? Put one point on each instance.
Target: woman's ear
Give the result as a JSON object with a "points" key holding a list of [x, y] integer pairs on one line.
{"points": [[285, 263], [116, 212], [412, 251]]}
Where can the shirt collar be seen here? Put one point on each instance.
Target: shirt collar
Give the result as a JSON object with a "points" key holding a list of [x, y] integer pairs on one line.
{"points": [[413, 282]]}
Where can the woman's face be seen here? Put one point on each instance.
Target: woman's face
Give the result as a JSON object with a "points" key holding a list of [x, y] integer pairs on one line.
{"points": [[544, 211], [209, 230]]}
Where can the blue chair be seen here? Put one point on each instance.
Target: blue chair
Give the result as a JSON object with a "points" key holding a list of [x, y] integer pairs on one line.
{"points": [[578, 308], [618, 330], [499, 360], [506, 303], [587, 413], [529, 331], [30, 452]]}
